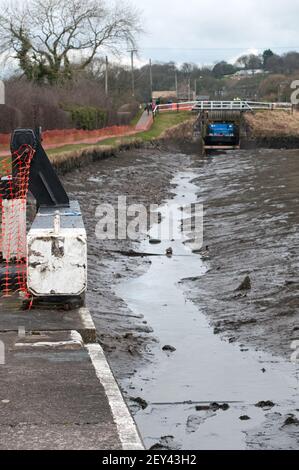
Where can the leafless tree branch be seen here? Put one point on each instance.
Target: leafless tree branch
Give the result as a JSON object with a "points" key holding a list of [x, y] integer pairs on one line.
{"points": [[52, 38]]}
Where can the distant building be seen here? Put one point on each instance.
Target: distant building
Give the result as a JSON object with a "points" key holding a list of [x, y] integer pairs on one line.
{"points": [[248, 73], [184, 94], [164, 95], [203, 98]]}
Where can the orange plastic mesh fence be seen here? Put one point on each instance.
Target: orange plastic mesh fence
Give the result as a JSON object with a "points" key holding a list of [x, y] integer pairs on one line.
{"points": [[62, 137], [14, 173]]}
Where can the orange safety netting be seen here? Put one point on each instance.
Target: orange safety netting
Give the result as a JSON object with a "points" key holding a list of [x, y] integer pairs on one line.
{"points": [[14, 182], [73, 136]]}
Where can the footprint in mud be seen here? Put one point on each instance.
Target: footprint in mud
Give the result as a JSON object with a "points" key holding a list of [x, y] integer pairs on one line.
{"points": [[194, 421]]}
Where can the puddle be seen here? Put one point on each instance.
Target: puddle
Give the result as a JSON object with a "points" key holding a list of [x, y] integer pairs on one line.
{"points": [[203, 368]]}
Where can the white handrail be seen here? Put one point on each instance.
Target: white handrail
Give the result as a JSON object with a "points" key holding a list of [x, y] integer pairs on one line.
{"points": [[235, 105]]}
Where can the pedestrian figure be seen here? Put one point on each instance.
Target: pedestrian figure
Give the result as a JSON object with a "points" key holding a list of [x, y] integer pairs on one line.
{"points": [[147, 109]]}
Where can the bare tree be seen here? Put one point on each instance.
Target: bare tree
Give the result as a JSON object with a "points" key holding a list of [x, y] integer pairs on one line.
{"points": [[52, 38]]}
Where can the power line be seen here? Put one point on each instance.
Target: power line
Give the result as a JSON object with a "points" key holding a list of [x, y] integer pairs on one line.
{"points": [[151, 78], [215, 48]]}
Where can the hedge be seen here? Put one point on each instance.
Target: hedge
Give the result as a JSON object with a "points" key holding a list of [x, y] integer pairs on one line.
{"points": [[87, 117]]}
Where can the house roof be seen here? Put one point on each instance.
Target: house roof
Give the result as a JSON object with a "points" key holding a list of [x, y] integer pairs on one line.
{"points": [[164, 94]]}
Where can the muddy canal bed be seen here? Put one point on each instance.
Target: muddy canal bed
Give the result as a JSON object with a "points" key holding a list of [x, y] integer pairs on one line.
{"points": [[227, 350]]}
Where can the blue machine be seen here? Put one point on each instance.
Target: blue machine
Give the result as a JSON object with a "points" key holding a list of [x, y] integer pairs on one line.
{"points": [[222, 134], [221, 129]]}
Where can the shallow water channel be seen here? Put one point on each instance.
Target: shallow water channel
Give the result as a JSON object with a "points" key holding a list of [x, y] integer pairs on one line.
{"points": [[180, 385]]}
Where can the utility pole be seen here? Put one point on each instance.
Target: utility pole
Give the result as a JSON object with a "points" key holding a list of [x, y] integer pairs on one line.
{"points": [[195, 87], [189, 89], [2, 92], [132, 70], [151, 78], [176, 84], [106, 77]]}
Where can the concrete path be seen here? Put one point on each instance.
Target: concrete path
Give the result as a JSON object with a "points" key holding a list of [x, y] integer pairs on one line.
{"points": [[145, 122], [57, 391]]}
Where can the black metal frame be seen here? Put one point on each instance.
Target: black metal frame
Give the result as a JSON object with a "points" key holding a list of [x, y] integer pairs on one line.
{"points": [[44, 183]]}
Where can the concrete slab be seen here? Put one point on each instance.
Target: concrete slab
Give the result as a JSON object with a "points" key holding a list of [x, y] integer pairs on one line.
{"points": [[48, 320], [59, 437], [56, 392], [53, 340], [52, 399]]}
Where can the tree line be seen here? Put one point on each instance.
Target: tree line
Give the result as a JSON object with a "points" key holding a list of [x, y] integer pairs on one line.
{"points": [[63, 79], [268, 61]]}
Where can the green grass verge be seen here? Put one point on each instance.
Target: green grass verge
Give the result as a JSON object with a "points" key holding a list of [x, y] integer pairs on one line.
{"points": [[68, 148], [163, 122]]}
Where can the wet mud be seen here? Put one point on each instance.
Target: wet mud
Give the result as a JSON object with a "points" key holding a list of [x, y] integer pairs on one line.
{"points": [[190, 331], [251, 226]]}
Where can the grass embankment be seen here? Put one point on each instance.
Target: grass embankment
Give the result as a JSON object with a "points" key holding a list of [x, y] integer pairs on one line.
{"points": [[162, 123], [272, 124]]}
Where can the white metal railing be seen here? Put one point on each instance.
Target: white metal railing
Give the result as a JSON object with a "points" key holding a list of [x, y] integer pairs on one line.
{"points": [[265, 105], [185, 106], [220, 105]]}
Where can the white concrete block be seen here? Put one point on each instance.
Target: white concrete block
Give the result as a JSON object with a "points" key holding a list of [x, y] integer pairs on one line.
{"points": [[57, 253]]}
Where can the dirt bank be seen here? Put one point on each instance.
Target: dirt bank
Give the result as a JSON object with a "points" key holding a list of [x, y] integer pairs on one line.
{"points": [[271, 129], [180, 133], [268, 123]]}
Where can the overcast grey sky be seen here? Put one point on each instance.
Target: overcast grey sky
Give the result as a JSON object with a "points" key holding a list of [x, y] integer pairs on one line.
{"points": [[206, 31]]}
